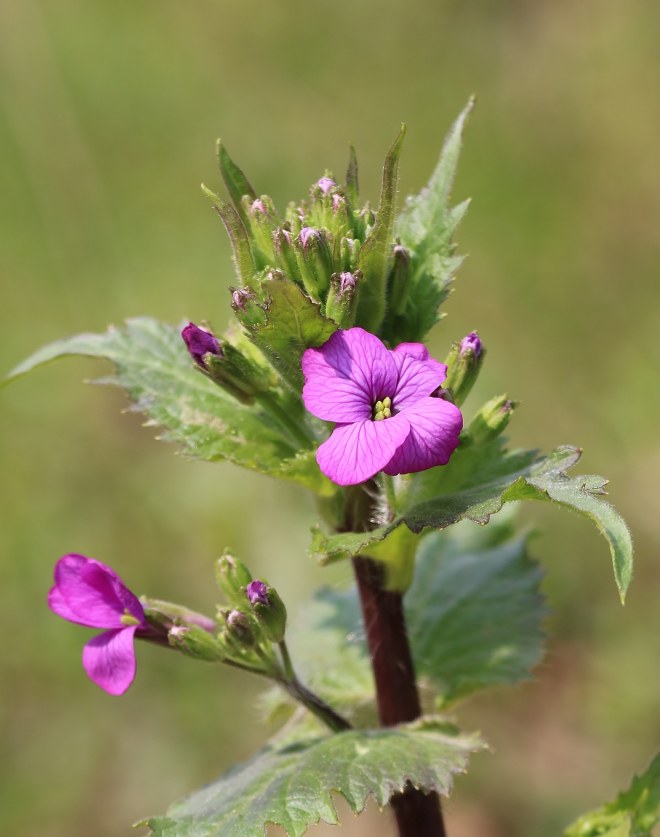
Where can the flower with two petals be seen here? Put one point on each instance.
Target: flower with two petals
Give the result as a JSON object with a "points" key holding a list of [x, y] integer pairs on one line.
{"points": [[90, 593], [387, 416]]}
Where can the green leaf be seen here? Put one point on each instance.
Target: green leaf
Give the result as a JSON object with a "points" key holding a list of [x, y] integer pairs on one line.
{"points": [[376, 250], [426, 228], [473, 614], [238, 236], [634, 813], [445, 495], [293, 323], [154, 368], [290, 784], [352, 180], [235, 181]]}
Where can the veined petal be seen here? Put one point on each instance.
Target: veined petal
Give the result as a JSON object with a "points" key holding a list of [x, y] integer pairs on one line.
{"points": [[417, 378], [355, 452], [109, 660], [57, 603], [434, 428], [91, 593], [347, 375], [415, 350]]}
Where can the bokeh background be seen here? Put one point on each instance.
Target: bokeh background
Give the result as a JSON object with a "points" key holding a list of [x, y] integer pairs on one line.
{"points": [[108, 116]]}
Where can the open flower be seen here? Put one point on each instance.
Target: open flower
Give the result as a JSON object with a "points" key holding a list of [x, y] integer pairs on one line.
{"points": [[89, 593], [387, 418]]}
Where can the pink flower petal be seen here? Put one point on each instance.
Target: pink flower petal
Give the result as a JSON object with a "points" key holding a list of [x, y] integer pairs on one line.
{"points": [[434, 428], [417, 378], [415, 350], [347, 375], [57, 603], [355, 452], [92, 593], [109, 660]]}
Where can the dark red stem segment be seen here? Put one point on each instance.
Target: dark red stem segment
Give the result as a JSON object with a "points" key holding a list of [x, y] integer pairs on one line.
{"points": [[417, 814]]}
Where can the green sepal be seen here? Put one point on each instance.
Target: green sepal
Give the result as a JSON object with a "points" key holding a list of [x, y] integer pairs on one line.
{"points": [[232, 577], [463, 367], [235, 181], [197, 643], [375, 251], [489, 422], [272, 616]]}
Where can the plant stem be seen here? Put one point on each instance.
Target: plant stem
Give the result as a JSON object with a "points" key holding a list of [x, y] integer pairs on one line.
{"points": [[313, 702], [417, 814]]}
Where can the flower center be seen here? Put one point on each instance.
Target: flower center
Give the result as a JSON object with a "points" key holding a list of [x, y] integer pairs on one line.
{"points": [[129, 620], [382, 409]]}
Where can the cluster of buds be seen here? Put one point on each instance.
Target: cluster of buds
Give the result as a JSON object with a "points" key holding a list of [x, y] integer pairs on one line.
{"points": [[255, 619], [324, 244]]}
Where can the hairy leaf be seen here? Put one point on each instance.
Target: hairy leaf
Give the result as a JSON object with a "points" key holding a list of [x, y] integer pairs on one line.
{"points": [[235, 181], [507, 477], [426, 229], [154, 368], [473, 614], [293, 323], [376, 250], [290, 784], [634, 813]]}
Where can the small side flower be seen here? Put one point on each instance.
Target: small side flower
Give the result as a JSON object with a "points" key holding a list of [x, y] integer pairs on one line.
{"points": [[90, 593]]}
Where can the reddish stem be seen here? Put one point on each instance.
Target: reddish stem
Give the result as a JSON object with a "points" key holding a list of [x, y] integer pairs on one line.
{"points": [[417, 814]]}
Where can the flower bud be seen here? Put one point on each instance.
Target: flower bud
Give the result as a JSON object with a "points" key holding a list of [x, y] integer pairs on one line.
{"points": [[472, 342], [196, 642], [268, 609], [261, 217], [166, 614], [283, 250], [490, 421], [326, 184], [249, 311], [314, 261], [463, 364], [236, 373], [239, 630], [232, 577], [399, 279], [200, 343], [349, 250], [341, 304]]}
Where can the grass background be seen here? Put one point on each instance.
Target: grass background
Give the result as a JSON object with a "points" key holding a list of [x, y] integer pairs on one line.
{"points": [[108, 116]]}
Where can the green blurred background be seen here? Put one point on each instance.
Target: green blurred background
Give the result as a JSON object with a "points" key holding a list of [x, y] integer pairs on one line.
{"points": [[108, 116]]}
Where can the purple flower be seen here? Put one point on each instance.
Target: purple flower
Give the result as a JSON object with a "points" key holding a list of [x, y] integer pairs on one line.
{"points": [[386, 418], [472, 342], [200, 342], [89, 593], [257, 591]]}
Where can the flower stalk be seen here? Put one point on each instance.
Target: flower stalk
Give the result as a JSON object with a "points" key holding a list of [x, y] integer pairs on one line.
{"points": [[417, 814]]}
